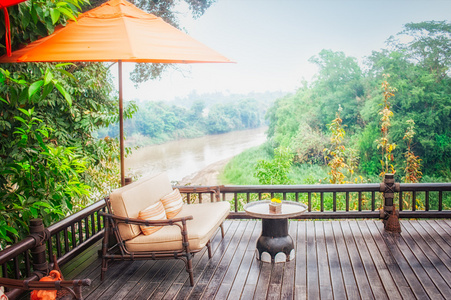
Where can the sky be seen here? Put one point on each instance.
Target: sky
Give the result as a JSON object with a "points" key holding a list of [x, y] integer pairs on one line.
{"points": [[271, 42]]}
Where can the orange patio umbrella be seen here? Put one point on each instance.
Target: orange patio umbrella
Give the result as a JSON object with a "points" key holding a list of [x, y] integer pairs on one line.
{"points": [[117, 31]]}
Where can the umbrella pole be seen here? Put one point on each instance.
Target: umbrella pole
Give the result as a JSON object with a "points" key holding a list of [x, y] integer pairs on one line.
{"points": [[121, 125]]}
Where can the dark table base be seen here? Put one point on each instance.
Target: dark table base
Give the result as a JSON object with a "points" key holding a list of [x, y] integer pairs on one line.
{"points": [[274, 244]]}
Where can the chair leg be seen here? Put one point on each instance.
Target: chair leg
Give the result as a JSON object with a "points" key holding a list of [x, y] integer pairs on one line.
{"points": [[189, 269], [209, 249], [222, 229]]}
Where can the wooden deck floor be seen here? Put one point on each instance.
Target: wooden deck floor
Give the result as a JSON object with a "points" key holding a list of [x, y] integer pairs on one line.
{"points": [[334, 260]]}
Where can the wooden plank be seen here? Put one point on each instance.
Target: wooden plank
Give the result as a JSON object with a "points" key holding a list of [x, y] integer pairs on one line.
{"points": [[313, 291], [261, 289], [390, 262], [437, 236], [336, 275], [204, 278], [145, 284], [444, 257], [208, 284], [252, 279], [383, 273], [426, 259], [357, 265], [288, 283], [441, 230], [429, 246], [444, 225], [226, 280], [300, 281], [97, 287], [369, 265], [124, 276], [417, 268], [275, 282], [325, 285], [133, 280], [398, 256], [202, 261], [243, 272]]}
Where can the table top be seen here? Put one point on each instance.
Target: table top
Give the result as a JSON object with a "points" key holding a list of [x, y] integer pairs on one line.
{"points": [[260, 209]]}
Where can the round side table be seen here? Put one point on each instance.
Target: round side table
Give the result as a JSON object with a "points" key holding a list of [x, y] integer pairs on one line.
{"points": [[274, 244]]}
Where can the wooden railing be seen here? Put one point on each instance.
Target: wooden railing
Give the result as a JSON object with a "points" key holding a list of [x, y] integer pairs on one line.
{"points": [[30, 258], [77, 232], [330, 201]]}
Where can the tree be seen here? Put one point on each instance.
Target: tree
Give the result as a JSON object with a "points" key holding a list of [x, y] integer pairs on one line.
{"points": [[275, 171]]}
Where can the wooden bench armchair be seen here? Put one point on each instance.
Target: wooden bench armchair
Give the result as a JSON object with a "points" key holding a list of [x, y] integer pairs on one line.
{"points": [[181, 236]]}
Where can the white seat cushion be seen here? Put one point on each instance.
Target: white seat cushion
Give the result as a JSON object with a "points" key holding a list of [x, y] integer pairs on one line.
{"points": [[207, 218]]}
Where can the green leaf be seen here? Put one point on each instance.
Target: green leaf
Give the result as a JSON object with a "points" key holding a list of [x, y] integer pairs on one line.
{"points": [[11, 229], [55, 14], [64, 93], [34, 87], [43, 204], [67, 13], [48, 77], [3, 100]]}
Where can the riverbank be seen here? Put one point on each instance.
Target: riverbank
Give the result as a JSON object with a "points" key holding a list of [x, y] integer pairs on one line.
{"points": [[206, 176]]}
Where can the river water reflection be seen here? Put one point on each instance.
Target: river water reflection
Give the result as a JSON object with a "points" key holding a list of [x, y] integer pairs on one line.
{"points": [[184, 157]]}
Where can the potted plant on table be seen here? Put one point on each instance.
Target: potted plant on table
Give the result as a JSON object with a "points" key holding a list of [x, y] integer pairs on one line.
{"points": [[275, 206]]}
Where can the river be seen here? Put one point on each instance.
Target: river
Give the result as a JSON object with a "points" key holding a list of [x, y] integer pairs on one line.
{"points": [[184, 157]]}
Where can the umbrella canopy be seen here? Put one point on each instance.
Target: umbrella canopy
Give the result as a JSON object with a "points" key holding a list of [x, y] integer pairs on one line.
{"points": [[117, 31], [3, 5]]}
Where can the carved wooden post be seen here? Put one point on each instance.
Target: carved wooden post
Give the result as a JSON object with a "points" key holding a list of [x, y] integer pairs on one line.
{"points": [[389, 187], [40, 234]]}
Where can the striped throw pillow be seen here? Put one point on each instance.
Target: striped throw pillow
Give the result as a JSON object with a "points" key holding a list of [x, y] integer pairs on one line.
{"points": [[153, 212], [172, 203]]}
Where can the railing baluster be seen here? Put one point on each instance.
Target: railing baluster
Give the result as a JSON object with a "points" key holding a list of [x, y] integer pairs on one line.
{"points": [[284, 196], [426, 200], [74, 236], [27, 263], [4, 270], [296, 196], [87, 228], [188, 198], [199, 195], [400, 208], [440, 201], [93, 224], [360, 201], [414, 201], [236, 201], [66, 240], [272, 195], [373, 201], [16, 267], [58, 244], [259, 196], [334, 201], [309, 201], [50, 248], [80, 233], [347, 201], [248, 197], [322, 202]]}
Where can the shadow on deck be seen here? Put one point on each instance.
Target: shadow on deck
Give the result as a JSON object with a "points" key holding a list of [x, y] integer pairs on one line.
{"points": [[334, 259]]}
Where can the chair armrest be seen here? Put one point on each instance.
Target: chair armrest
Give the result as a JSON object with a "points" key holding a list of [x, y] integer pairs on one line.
{"points": [[166, 222]]}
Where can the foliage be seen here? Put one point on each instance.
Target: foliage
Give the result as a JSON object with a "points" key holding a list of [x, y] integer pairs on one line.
{"points": [[419, 69], [413, 163], [157, 122], [38, 177], [275, 171], [384, 143]]}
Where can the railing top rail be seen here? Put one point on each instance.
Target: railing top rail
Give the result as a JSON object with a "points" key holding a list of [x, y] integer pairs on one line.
{"points": [[359, 187], [76, 217]]}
